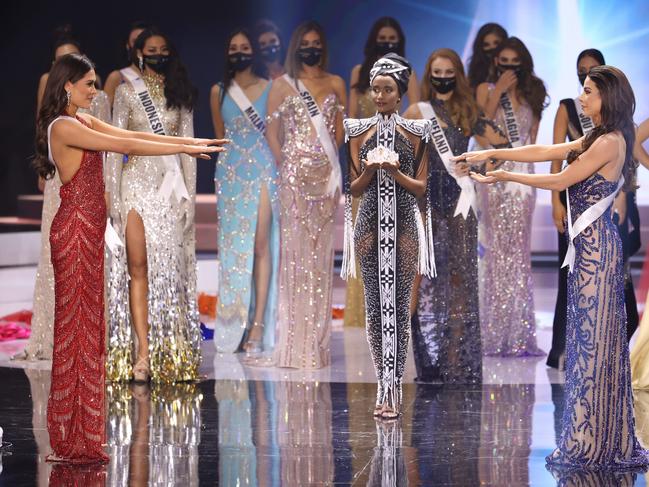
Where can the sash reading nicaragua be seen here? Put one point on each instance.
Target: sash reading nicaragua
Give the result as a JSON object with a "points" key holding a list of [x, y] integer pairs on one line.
{"points": [[467, 198], [585, 220], [514, 136], [323, 134], [173, 181], [586, 122], [246, 107]]}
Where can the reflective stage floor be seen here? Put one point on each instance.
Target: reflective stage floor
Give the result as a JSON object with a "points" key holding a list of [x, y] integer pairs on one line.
{"points": [[252, 426]]}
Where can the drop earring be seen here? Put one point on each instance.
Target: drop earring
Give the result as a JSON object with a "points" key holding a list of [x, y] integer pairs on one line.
{"points": [[141, 63], [68, 96]]}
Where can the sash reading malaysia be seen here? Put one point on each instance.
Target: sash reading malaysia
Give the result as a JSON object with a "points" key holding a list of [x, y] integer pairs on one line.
{"points": [[318, 122], [586, 122], [514, 137], [246, 107], [467, 198], [173, 181]]}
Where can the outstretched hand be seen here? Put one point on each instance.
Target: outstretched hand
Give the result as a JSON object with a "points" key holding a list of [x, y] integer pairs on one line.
{"points": [[202, 151], [473, 157], [210, 141], [491, 176]]}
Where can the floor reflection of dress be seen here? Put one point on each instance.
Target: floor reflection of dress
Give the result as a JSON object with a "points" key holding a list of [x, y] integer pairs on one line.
{"points": [[446, 427], [153, 435], [388, 467], [304, 433], [506, 434]]}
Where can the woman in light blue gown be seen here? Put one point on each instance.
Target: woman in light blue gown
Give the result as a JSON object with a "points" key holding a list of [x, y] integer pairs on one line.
{"points": [[598, 431], [245, 181]]}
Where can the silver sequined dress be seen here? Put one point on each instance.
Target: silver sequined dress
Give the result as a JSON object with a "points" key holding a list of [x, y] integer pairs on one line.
{"points": [[505, 271], [307, 213], [39, 345], [174, 333]]}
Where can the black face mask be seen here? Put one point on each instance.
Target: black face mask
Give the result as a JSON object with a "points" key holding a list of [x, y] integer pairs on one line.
{"points": [[443, 85], [239, 61], [310, 55], [271, 53], [490, 52], [582, 78], [516, 68], [157, 62], [382, 48]]}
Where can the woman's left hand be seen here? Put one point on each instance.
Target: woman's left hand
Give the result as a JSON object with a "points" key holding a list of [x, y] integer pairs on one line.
{"points": [[491, 176], [473, 157], [209, 141], [391, 167]]}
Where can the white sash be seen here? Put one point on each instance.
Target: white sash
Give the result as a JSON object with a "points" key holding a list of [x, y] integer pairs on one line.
{"points": [[514, 136], [467, 198], [247, 108], [173, 181], [323, 134], [586, 122], [585, 220], [110, 235]]}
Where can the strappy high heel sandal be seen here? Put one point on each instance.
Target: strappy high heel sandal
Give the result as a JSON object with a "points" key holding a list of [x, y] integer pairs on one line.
{"points": [[141, 372], [390, 413], [378, 410], [255, 346]]}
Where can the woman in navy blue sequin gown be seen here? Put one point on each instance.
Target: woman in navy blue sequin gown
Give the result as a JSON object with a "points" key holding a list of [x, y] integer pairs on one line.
{"points": [[598, 429]]}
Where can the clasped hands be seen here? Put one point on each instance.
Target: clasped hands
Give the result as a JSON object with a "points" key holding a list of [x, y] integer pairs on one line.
{"points": [[476, 157], [389, 167]]}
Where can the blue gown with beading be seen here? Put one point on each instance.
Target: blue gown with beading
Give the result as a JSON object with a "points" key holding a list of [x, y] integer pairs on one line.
{"points": [[598, 429]]}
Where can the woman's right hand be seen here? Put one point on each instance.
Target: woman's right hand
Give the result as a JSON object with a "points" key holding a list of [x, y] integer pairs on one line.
{"points": [[506, 81], [559, 214], [201, 151], [371, 166]]}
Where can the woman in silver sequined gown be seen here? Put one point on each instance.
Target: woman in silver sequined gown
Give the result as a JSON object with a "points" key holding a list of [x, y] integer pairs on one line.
{"points": [[505, 213], [308, 197], [152, 286], [598, 430]]}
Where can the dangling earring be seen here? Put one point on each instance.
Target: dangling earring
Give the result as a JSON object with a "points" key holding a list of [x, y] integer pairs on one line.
{"points": [[141, 63], [68, 96]]}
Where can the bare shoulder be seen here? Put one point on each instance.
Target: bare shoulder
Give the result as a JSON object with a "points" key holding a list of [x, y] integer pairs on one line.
{"points": [[412, 112], [44, 78], [356, 71], [215, 90]]}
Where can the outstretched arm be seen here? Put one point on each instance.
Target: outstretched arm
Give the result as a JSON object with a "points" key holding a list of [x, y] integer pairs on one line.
{"points": [[603, 151], [526, 153]]}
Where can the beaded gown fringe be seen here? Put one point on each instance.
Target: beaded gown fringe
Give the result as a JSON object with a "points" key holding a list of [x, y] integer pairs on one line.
{"points": [[174, 334]]}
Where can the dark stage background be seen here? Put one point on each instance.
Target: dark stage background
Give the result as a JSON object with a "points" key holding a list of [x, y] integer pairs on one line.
{"points": [[553, 31]]}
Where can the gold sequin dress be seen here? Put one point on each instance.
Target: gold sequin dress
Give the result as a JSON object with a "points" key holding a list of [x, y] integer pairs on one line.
{"points": [[307, 215], [39, 345], [354, 296], [174, 333]]}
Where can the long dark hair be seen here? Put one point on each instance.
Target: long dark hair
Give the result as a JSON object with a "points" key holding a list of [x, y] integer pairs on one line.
{"points": [[616, 114], [293, 65], [481, 65], [529, 86], [63, 35], [72, 68], [131, 56], [596, 54], [179, 91], [371, 57], [228, 72]]}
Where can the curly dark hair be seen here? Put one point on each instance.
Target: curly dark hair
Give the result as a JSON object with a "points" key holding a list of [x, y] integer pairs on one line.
{"points": [[616, 113], [363, 83], [480, 65], [179, 90], [530, 87], [72, 68]]}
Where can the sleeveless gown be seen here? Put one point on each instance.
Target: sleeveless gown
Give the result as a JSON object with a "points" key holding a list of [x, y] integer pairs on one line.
{"points": [[598, 423], [240, 174], [75, 410]]}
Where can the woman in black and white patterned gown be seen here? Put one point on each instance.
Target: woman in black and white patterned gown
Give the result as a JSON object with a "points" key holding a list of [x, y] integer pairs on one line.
{"points": [[397, 246]]}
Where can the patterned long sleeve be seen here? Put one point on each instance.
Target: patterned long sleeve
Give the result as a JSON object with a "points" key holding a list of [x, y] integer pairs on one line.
{"points": [[121, 113], [188, 163]]}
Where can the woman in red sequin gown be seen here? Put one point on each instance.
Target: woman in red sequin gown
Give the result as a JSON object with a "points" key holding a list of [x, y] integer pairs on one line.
{"points": [[73, 145]]}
